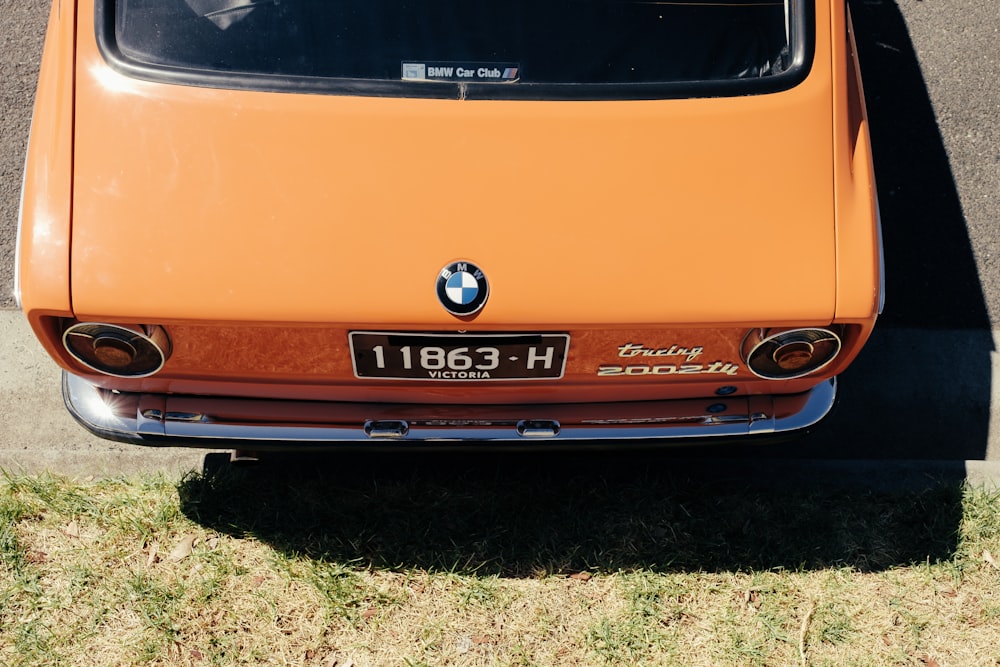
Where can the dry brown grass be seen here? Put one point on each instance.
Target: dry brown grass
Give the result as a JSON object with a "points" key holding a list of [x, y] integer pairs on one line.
{"points": [[133, 572]]}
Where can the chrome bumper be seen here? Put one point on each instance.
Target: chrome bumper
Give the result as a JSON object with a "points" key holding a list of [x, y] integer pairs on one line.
{"points": [[155, 419]]}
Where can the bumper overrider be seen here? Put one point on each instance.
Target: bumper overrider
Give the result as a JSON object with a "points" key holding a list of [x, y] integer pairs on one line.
{"points": [[179, 420]]}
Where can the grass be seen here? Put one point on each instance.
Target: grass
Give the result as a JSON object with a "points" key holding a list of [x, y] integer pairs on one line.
{"points": [[526, 561]]}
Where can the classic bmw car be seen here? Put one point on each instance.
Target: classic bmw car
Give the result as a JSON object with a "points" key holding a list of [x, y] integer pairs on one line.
{"points": [[286, 223]]}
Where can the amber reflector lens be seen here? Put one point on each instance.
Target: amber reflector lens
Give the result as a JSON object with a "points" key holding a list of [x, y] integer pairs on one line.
{"points": [[785, 355], [121, 351]]}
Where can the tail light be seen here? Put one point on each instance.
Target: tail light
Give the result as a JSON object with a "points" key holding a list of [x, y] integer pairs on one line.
{"points": [[790, 353], [118, 350]]}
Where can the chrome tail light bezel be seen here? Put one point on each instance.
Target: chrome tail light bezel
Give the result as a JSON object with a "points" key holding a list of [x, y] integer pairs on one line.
{"points": [[148, 345], [822, 345]]}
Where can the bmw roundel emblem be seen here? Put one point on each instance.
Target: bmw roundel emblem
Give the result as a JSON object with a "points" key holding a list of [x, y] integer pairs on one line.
{"points": [[462, 288]]}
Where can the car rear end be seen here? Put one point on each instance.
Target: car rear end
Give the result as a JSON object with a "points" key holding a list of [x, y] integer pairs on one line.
{"points": [[557, 221]]}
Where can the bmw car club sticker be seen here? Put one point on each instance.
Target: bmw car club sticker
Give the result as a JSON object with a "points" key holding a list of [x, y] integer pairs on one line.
{"points": [[462, 72], [462, 288]]}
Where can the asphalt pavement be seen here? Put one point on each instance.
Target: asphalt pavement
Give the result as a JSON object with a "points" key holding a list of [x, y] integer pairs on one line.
{"points": [[923, 398]]}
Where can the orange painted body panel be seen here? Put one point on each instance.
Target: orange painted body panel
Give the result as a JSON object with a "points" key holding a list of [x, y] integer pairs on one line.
{"points": [[256, 206], [43, 265], [859, 261]]}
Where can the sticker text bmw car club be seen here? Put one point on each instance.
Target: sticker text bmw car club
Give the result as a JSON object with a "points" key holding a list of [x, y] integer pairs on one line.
{"points": [[465, 72]]}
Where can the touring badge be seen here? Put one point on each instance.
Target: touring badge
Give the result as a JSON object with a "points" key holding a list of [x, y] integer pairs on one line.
{"points": [[462, 288]]}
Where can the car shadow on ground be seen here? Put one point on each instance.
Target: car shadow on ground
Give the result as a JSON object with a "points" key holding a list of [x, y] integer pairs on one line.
{"points": [[920, 390], [565, 512]]}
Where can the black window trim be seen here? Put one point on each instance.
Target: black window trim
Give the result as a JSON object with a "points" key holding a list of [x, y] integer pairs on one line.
{"points": [[802, 26]]}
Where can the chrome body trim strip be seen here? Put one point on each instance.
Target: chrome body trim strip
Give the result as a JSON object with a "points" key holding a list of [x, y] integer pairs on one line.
{"points": [[881, 255], [152, 419]]}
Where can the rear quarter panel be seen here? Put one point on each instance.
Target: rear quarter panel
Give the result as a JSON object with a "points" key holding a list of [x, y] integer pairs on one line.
{"points": [[44, 227], [859, 257]]}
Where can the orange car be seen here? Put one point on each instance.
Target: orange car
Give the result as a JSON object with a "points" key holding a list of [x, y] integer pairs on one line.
{"points": [[301, 222]]}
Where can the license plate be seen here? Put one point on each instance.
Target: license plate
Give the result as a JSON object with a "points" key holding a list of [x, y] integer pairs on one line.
{"points": [[450, 357]]}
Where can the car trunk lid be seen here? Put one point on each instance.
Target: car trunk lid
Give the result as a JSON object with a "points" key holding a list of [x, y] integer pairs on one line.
{"points": [[194, 204]]}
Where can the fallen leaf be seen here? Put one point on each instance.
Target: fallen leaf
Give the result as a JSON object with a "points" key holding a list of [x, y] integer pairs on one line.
{"points": [[886, 640], [183, 549], [72, 530], [582, 576], [480, 639], [988, 557], [367, 614], [949, 593]]}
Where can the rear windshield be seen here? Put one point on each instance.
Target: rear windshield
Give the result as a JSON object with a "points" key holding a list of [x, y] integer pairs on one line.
{"points": [[582, 45]]}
